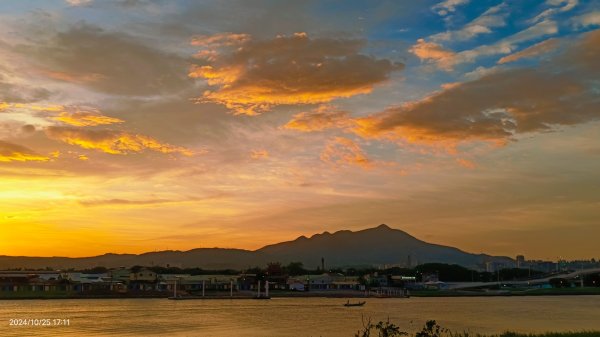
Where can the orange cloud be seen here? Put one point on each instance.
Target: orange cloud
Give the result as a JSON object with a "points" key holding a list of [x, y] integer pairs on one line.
{"points": [[85, 118], [221, 39], [72, 115], [259, 154], [498, 106], [37, 107], [433, 52], [12, 152], [252, 76], [72, 77], [535, 50], [466, 163], [370, 128], [321, 118], [112, 141], [343, 151]]}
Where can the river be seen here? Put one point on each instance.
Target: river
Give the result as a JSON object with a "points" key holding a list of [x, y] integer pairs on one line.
{"points": [[295, 316]]}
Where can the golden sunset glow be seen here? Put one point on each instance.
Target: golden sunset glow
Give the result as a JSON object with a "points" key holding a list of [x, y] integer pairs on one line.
{"points": [[113, 142], [82, 118], [135, 126]]}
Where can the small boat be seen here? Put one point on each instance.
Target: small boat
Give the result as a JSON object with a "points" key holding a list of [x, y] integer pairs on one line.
{"points": [[358, 304]]}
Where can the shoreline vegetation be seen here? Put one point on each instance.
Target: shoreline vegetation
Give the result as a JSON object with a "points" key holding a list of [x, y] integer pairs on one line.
{"points": [[282, 294], [292, 280], [432, 329]]}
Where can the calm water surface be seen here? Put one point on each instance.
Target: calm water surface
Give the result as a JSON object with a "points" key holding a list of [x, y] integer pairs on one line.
{"points": [[297, 316]]}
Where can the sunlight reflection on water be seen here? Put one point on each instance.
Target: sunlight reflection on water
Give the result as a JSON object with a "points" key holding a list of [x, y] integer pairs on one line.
{"points": [[297, 316]]}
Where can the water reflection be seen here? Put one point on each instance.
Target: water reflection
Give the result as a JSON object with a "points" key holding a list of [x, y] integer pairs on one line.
{"points": [[298, 316]]}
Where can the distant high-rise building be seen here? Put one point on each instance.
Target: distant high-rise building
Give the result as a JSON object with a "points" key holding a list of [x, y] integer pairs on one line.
{"points": [[520, 261]]}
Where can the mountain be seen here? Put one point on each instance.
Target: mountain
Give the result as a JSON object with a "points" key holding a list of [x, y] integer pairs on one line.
{"points": [[207, 258], [373, 246]]}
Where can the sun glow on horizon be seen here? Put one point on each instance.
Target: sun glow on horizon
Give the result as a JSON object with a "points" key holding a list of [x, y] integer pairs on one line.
{"points": [[136, 127]]}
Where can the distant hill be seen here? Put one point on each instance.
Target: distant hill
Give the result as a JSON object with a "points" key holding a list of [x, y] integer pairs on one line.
{"points": [[373, 246], [206, 258]]}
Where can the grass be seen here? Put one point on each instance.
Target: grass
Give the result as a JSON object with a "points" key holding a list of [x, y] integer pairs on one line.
{"points": [[432, 329], [553, 334], [547, 334]]}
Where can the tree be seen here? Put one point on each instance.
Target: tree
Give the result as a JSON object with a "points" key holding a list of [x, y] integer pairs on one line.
{"points": [[274, 268], [95, 270], [295, 269], [518, 273], [446, 272]]}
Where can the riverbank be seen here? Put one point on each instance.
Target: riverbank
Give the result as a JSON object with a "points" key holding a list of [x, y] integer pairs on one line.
{"points": [[39, 295], [514, 292], [299, 294]]}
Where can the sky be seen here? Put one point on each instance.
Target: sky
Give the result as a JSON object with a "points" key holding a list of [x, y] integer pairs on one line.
{"points": [[130, 126]]}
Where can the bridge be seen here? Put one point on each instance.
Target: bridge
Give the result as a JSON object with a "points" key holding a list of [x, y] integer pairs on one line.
{"points": [[524, 283]]}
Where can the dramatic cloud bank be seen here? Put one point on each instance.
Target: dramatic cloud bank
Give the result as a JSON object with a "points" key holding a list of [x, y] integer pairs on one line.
{"points": [[85, 118], [124, 121], [322, 118], [341, 151], [251, 76], [112, 141], [498, 106], [13, 152]]}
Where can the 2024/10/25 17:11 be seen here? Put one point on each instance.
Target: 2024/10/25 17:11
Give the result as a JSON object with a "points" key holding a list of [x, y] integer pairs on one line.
{"points": [[39, 321]]}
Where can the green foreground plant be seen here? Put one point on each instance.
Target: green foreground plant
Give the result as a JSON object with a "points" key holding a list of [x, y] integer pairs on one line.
{"points": [[432, 329], [383, 329]]}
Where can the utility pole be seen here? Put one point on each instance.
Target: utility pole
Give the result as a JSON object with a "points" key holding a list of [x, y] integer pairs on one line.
{"points": [[267, 288], [498, 272]]}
